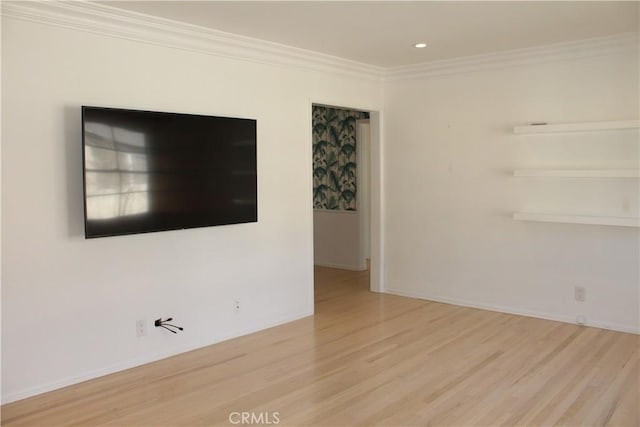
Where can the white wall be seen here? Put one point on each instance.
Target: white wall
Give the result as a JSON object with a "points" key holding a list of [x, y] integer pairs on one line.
{"points": [[336, 239], [69, 305], [448, 156]]}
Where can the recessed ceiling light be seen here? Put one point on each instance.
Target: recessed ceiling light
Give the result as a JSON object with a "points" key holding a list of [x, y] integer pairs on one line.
{"points": [[420, 45]]}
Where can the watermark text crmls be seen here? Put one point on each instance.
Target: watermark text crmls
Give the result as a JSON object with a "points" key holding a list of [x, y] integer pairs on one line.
{"points": [[254, 418]]}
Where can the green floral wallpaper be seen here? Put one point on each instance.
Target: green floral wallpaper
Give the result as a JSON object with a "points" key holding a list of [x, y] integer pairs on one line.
{"points": [[334, 157]]}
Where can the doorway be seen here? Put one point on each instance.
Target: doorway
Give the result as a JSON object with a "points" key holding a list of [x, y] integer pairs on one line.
{"points": [[341, 154]]}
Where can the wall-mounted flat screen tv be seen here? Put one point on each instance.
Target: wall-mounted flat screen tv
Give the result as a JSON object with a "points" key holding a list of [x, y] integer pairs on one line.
{"points": [[149, 171]]}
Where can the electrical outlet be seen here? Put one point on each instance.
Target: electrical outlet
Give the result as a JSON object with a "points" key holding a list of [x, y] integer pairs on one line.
{"points": [[580, 293], [141, 328], [236, 305]]}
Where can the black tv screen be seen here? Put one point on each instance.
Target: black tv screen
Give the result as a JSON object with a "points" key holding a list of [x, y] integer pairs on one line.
{"points": [[150, 171]]}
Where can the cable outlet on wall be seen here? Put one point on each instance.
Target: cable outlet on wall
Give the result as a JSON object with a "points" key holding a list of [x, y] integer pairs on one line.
{"points": [[580, 293], [236, 306], [141, 328]]}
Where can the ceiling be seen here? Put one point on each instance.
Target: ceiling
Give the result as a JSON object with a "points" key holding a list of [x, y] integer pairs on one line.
{"points": [[382, 33]]}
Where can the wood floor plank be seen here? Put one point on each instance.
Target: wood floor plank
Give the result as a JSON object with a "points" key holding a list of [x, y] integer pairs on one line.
{"points": [[371, 359]]}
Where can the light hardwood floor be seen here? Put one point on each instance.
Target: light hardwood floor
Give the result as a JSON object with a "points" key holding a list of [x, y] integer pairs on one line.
{"points": [[370, 359]]}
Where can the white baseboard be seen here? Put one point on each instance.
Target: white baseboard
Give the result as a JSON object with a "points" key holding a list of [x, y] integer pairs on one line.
{"points": [[517, 311], [121, 366], [339, 266]]}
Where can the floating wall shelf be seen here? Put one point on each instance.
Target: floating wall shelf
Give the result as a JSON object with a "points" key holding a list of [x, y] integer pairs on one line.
{"points": [[578, 173], [578, 219], [577, 127]]}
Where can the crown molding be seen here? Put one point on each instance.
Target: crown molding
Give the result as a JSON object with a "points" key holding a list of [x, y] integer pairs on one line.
{"points": [[110, 21], [124, 24], [627, 42]]}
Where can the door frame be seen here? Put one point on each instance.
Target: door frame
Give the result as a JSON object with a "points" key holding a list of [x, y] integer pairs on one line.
{"points": [[363, 181], [376, 248]]}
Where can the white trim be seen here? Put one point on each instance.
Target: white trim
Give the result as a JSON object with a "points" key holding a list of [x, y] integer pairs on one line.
{"points": [[1, 32], [539, 54], [577, 127], [309, 176], [577, 219], [632, 329], [376, 199], [363, 142], [336, 211], [132, 363], [340, 266], [578, 173], [119, 23], [124, 24]]}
